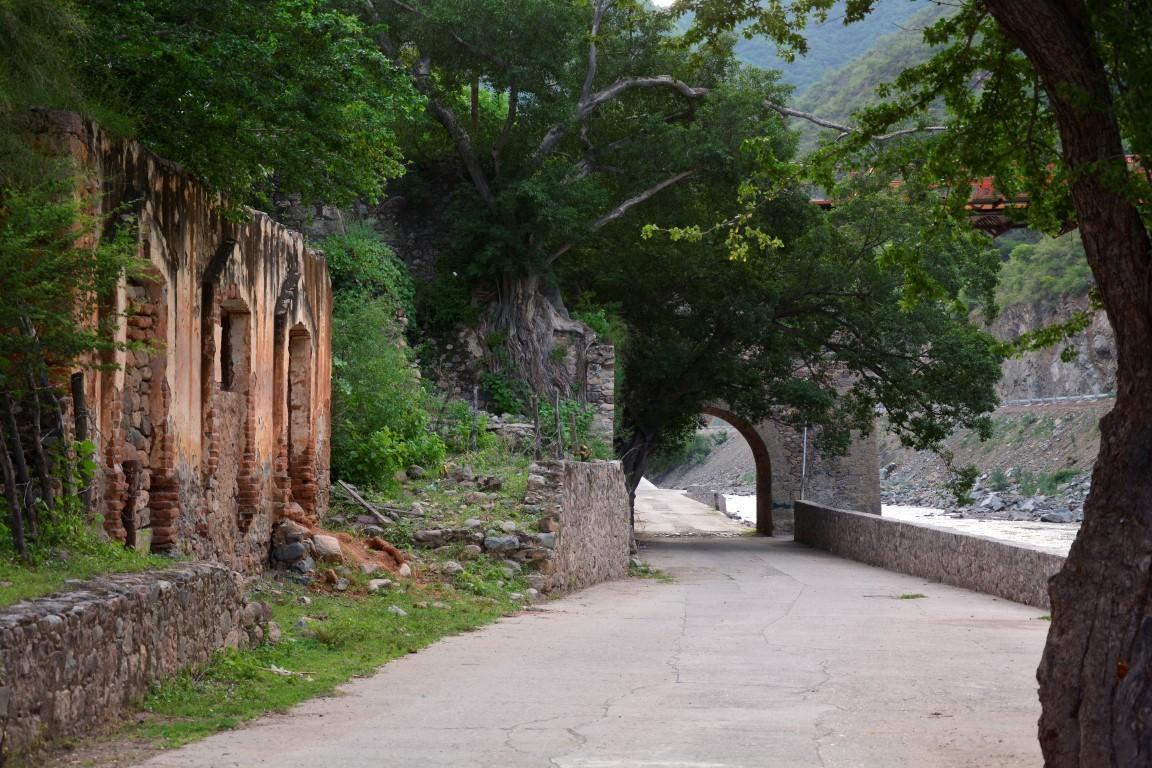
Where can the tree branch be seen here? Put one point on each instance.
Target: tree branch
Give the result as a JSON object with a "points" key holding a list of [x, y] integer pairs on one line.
{"points": [[846, 130], [594, 101], [500, 63], [622, 209], [421, 81], [506, 131]]}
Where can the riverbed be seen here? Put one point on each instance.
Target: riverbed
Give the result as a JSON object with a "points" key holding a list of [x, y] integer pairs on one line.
{"points": [[1050, 537]]}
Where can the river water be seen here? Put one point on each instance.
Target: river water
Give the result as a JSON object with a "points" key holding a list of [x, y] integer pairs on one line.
{"points": [[1050, 537]]}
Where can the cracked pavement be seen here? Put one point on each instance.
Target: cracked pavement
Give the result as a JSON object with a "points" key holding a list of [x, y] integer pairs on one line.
{"points": [[760, 653]]}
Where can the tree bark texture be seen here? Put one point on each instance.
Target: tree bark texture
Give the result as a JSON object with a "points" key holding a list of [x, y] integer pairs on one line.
{"points": [[1096, 673], [539, 338]]}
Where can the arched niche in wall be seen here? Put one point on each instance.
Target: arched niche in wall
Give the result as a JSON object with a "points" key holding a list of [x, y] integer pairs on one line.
{"points": [[301, 434]]}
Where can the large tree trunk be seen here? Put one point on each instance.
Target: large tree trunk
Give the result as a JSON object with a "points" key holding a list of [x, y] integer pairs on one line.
{"points": [[1096, 674], [539, 344]]}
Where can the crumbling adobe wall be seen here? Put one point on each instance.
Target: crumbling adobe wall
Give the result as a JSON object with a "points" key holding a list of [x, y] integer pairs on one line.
{"points": [[205, 438]]}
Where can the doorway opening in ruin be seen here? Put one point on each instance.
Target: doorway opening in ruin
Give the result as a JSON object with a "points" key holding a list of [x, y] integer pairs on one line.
{"points": [[763, 464], [234, 358], [301, 453]]}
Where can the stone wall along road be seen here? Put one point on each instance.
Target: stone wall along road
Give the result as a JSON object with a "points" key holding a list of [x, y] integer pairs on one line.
{"points": [[1011, 571], [77, 660]]}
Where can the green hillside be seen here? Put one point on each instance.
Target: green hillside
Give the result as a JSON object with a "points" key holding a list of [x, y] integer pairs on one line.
{"points": [[832, 45], [842, 90]]}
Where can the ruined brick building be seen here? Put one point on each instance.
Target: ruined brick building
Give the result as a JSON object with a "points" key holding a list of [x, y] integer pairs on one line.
{"points": [[215, 423]]}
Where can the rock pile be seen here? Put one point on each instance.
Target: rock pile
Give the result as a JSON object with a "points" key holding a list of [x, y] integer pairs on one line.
{"points": [[1005, 501]]}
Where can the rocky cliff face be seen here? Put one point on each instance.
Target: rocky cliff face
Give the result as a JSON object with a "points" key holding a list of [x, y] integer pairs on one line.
{"points": [[1043, 373]]}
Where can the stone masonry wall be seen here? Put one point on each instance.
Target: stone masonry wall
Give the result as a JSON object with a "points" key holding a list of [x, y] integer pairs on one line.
{"points": [[1011, 571], [586, 505], [75, 661]]}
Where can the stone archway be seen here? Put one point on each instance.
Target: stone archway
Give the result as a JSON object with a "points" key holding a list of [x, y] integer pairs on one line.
{"points": [[763, 461]]}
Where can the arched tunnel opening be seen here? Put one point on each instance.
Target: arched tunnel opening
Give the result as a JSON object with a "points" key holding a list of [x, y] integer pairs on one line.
{"points": [[763, 464]]}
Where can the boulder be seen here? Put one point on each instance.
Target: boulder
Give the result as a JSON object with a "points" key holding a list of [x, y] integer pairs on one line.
{"points": [[430, 537], [501, 543], [290, 553], [375, 585], [451, 568], [327, 548]]}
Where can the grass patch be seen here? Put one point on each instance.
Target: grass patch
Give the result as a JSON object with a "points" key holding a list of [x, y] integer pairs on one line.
{"points": [[1045, 617], [912, 596], [87, 556], [339, 637], [646, 571]]}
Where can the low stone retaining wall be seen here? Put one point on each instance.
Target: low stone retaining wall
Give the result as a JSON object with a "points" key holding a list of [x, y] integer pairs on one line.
{"points": [[78, 660], [1011, 571], [586, 504]]}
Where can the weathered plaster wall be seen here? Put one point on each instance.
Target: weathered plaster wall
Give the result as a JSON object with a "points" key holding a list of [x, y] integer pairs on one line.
{"points": [[79, 660], [199, 449], [1011, 571], [586, 505]]}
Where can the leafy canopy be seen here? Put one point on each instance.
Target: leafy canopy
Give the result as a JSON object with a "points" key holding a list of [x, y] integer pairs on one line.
{"points": [[253, 95]]}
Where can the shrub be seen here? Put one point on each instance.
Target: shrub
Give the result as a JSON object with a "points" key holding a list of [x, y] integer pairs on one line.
{"points": [[1043, 272], [380, 411], [363, 266], [998, 480]]}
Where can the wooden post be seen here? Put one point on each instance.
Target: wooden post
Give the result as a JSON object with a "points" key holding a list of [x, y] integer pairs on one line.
{"points": [[559, 429], [536, 426]]}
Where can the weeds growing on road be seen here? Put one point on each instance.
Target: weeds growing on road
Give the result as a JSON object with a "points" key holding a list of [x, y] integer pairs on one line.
{"points": [[912, 596], [646, 571]]}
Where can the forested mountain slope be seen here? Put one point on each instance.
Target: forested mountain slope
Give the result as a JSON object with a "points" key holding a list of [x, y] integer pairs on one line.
{"points": [[832, 45]]}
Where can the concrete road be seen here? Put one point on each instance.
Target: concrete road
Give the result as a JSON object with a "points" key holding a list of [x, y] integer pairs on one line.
{"points": [[661, 512], [760, 653]]}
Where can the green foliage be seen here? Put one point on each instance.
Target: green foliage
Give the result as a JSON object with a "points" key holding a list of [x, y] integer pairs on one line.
{"points": [[380, 421], [1045, 483], [348, 636], [463, 429], [503, 393], [1043, 273], [53, 282], [843, 90], [998, 480], [961, 480], [692, 451], [361, 266], [575, 419], [832, 45], [605, 321], [444, 304], [253, 95]]}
